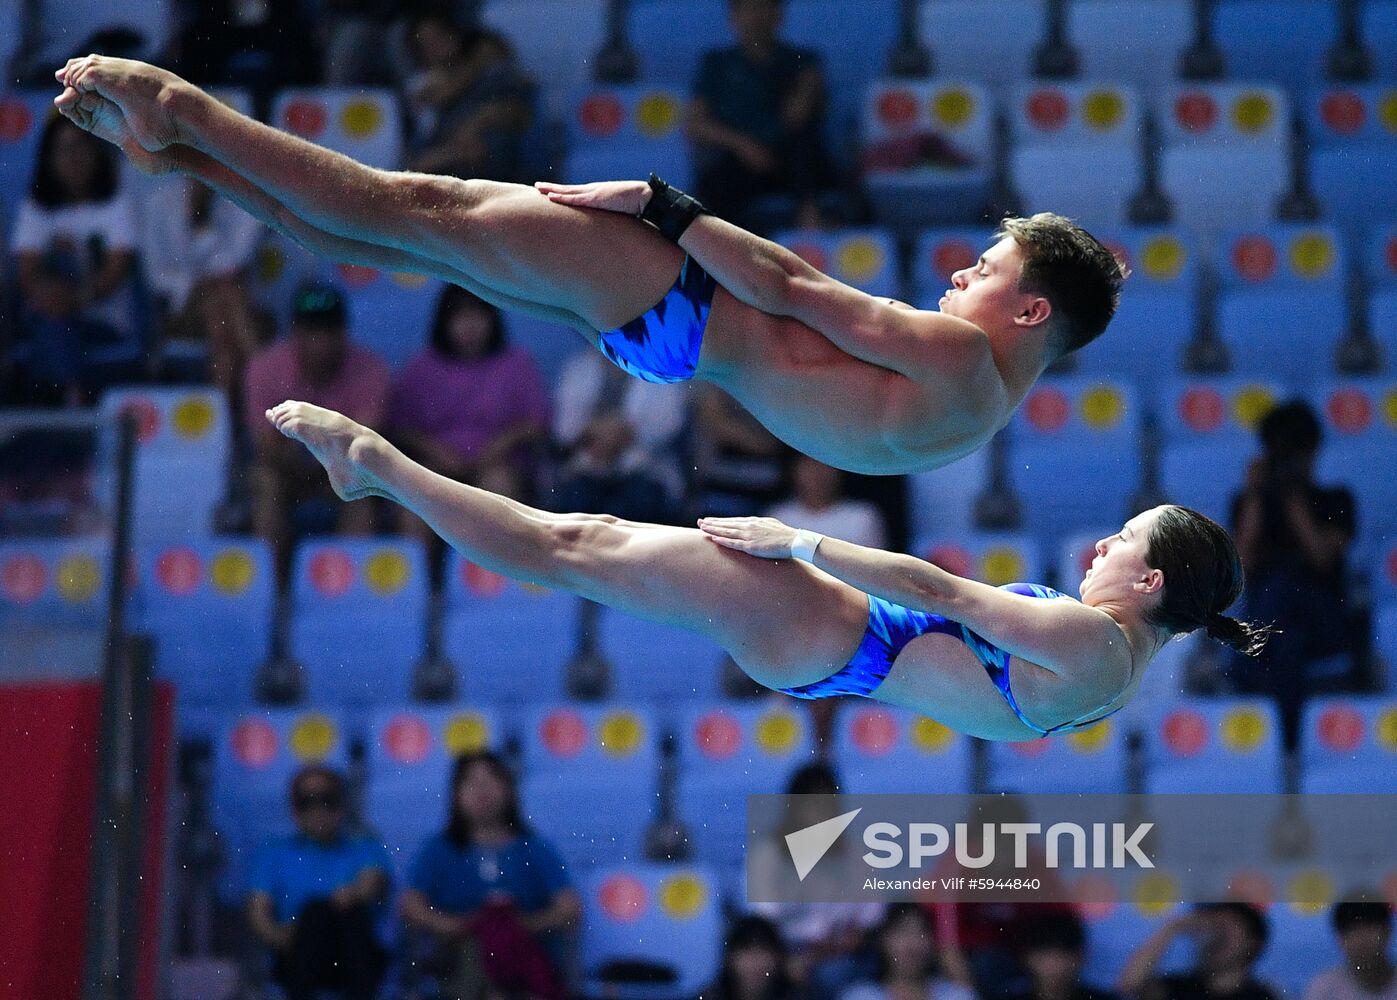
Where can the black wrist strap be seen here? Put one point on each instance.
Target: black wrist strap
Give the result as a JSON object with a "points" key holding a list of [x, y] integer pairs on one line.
{"points": [[670, 210]]}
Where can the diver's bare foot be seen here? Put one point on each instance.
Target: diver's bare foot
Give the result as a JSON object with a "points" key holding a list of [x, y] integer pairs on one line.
{"points": [[94, 113], [349, 451], [139, 89]]}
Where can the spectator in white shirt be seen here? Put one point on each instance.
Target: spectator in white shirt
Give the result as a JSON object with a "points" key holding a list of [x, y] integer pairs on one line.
{"points": [[1364, 928]]}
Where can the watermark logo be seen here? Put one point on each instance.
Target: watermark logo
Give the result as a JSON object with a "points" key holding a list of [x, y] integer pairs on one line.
{"points": [[809, 845]]}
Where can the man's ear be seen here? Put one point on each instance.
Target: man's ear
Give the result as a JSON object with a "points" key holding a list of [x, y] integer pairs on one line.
{"points": [[1035, 313]]}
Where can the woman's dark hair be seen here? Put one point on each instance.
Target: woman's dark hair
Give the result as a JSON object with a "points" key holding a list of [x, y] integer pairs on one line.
{"points": [[1202, 577], [815, 778], [1053, 931], [752, 932], [1257, 926], [1291, 427], [454, 297], [458, 824], [896, 914], [47, 190], [1361, 910]]}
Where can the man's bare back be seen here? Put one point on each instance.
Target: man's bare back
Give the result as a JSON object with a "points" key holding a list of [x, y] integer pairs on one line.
{"points": [[858, 382]]}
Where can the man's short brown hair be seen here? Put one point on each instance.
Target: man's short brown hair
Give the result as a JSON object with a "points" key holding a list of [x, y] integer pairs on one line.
{"points": [[1073, 270]]}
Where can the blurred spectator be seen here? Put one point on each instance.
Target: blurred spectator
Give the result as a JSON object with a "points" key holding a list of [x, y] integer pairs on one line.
{"points": [[619, 438], [1231, 938], [469, 102], [318, 364], [491, 893], [1293, 536], [819, 504], [907, 962], [259, 44], [313, 897], [827, 941], [757, 120], [469, 405], [1363, 925], [1052, 948], [74, 249], [362, 43], [738, 464], [197, 249], [754, 964]]}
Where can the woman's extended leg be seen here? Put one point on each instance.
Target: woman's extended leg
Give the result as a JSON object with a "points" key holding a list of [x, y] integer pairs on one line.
{"points": [[784, 622]]}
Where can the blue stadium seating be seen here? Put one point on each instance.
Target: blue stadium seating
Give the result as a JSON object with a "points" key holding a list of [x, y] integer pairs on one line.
{"points": [[927, 150], [628, 131], [1116, 930], [359, 618], [665, 915], [1137, 43], [280, 266], [509, 641], [1226, 157], [991, 43], [726, 753], [576, 757], [209, 604], [1385, 639], [1088, 761], [1282, 311], [1360, 420], [943, 500], [879, 749], [1286, 41], [1075, 457], [1349, 745], [410, 754], [864, 258], [1379, 19], [1354, 139], [359, 122], [1077, 150], [556, 40], [22, 118], [670, 37], [1159, 307], [1380, 256], [1224, 745], [995, 558], [1384, 574], [256, 754], [10, 29], [659, 664], [1302, 942], [390, 312], [53, 583]]}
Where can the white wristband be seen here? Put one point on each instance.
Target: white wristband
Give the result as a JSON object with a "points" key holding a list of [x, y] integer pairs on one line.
{"points": [[805, 544]]}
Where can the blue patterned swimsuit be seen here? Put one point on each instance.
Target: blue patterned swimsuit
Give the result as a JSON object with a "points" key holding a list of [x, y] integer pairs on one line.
{"points": [[663, 344], [891, 627]]}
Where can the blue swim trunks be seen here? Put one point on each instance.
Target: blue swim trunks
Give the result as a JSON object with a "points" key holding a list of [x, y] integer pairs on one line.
{"points": [[663, 344], [891, 627]]}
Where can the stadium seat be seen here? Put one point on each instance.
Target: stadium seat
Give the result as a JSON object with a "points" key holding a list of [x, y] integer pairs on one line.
{"points": [[1360, 422], [390, 312], [656, 915], [1087, 761], [1353, 131], [671, 36], [1209, 433], [22, 118], [184, 440], [938, 254], [256, 754], [1075, 455], [1128, 41], [280, 266], [1348, 743], [1282, 310], [995, 558], [575, 758], [943, 500], [628, 131], [48, 583], [1384, 573], [209, 605], [63, 28], [1226, 158], [1379, 19], [1385, 641], [1159, 307], [1380, 256], [362, 123], [11, 25], [726, 753], [928, 150], [990, 43], [879, 749], [410, 754], [661, 665], [359, 618], [1285, 41], [1223, 745], [1077, 150], [557, 42], [864, 258], [1302, 941], [508, 641]]}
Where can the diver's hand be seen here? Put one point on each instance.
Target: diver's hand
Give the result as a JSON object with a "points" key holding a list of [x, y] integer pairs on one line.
{"points": [[764, 537]]}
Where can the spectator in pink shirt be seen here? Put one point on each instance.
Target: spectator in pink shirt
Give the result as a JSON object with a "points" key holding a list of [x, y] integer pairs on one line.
{"points": [[316, 363], [470, 406]]}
